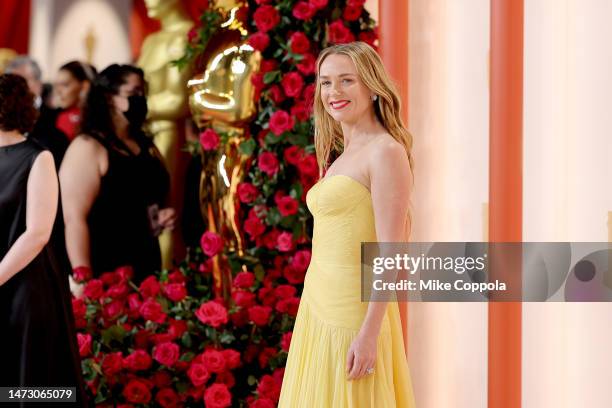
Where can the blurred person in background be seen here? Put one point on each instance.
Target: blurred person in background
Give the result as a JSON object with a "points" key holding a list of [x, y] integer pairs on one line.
{"points": [[44, 132], [114, 185], [71, 86]]}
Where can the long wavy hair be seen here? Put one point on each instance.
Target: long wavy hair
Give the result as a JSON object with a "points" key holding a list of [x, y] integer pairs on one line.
{"points": [[372, 73]]}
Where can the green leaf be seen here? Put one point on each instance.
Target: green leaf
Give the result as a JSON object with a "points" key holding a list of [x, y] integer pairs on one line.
{"points": [[247, 147], [271, 138], [251, 380], [271, 76], [298, 139], [186, 340], [226, 337], [273, 217], [113, 333], [259, 272]]}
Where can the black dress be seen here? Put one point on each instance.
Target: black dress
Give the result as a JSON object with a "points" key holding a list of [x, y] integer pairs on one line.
{"points": [[37, 340], [120, 229]]}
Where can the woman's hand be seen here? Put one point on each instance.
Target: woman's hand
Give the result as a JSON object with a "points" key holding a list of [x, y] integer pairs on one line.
{"points": [[167, 218], [361, 355]]}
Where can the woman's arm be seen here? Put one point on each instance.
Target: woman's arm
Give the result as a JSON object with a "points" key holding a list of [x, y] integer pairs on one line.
{"points": [[390, 180], [41, 209], [80, 177]]}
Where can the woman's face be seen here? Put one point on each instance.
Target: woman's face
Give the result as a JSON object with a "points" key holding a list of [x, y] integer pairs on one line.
{"points": [[132, 85], [343, 94], [68, 90]]}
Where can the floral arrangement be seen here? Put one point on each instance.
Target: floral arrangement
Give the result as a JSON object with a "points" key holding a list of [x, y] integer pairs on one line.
{"points": [[169, 342]]}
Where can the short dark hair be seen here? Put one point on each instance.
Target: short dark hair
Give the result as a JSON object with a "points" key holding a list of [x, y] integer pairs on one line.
{"points": [[17, 111], [81, 71]]}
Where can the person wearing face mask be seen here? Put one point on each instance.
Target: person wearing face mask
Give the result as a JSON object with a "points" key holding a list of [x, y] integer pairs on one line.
{"points": [[71, 86], [113, 181]]}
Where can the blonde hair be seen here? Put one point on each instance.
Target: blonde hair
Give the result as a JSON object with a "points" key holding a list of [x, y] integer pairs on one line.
{"points": [[370, 69]]}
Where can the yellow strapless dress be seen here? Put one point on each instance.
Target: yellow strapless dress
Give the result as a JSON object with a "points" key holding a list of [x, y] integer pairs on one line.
{"points": [[331, 312]]}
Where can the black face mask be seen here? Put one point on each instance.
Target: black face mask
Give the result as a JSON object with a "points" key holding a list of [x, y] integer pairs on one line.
{"points": [[137, 110]]}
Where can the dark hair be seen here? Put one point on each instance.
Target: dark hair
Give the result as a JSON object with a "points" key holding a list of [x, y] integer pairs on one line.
{"points": [[97, 118], [17, 111], [81, 71]]}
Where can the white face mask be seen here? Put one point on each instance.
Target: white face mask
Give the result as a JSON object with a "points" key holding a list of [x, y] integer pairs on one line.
{"points": [[37, 101]]}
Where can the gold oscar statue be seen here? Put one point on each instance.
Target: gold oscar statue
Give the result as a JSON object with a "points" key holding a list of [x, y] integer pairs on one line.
{"points": [[222, 97], [167, 97]]}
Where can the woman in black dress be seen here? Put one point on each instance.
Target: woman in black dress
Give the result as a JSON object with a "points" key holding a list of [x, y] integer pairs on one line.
{"points": [[37, 340], [113, 181]]}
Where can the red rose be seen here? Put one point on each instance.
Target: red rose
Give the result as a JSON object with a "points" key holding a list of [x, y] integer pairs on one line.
{"points": [[280, 122], [125, 272], [82, 273], [265, 355], [289, 306], [243, 298], [260, 315], [266, 18], [110, 278], [137, 361], [300, 111], [209, 139], [268, 388], [308, 95], [112, 310], [84, 341], [308, 165], [177, 328], [288, 206], [79, 309], [213, 360], [259, 41], [293, 154], [118, 291], [286, 341], [226, 378], [262, 403], [292, 84], [198, 374], [247, 193], [149, 287], [352, 13], [212, 313], [303, 11], [301, 260], [211, 243], [268, 65], [206, 267], [284, 291], [134, 305], [166, 353], [257, 81], [217, 395], [307, 65], [112, 363], [368, 37], [137, 392], [161, 379], [94, 289], [270, 240], [292, 275], [268, 163], [175, 291], [244, 280], [285, 242], [176, 276], [240, 317], [276, 94], [339, 33], [152, 310], [355, 3], [299, 42], [167, 398], [232, 358], [254, 227], [318, 4]]}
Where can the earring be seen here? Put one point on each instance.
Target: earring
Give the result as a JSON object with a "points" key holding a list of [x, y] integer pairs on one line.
{"points": [[374, 98]]}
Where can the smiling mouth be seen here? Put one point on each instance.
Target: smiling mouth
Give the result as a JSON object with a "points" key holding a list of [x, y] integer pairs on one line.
{"points": [[339, 104]]}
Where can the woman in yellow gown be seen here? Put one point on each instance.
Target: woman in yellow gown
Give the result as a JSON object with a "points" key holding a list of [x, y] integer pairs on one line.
{"points": [[345, 352]]}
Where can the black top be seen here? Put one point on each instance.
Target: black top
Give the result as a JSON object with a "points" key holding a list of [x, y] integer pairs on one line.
{"points": [[49, 136], [38, 341], [119, 222]]}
